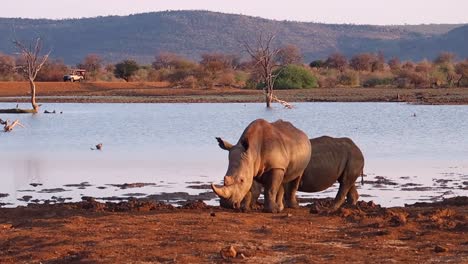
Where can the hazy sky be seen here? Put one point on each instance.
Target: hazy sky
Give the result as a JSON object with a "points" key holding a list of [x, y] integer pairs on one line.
{"points": [[328, 11]]}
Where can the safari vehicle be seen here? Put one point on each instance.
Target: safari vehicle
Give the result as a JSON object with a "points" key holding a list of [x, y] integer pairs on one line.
{"points": [[75, 76]]}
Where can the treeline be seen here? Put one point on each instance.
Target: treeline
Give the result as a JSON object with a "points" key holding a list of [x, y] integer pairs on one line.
{"points": [[228, 70]]}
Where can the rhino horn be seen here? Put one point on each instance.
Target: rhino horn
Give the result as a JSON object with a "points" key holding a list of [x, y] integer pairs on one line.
{"points": [[223, 192]]}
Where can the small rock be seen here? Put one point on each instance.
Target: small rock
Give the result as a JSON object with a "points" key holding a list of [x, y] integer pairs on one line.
{"points": [[345, 212], [213, 214], [440, 249], [6, 226], [35, 184], [289, 215], [228, 252]]}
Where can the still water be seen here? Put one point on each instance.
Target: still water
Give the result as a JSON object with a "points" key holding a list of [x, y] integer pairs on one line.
{"points": [[422, 150]]}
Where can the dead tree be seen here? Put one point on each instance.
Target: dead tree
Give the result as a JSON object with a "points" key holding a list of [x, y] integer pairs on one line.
{"points": [[33, 62], [8, 127], [265, 59]]}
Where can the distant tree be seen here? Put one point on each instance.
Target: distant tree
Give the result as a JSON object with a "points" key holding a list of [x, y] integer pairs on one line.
{"points": [[349, 78], [52, 70], [289, 54], [126, 69], [166, 60], [394, 64], [7, 67], [317, 64], [408, 65], [408, 78], [109, 68], [448, 71], [462, 70], [423, 66], [32, 64], [367, 62], [337, 61], [378, 63], [294, 77], [92, 63], [444, 65], [362, 62], [214, 63], [444, 58]]}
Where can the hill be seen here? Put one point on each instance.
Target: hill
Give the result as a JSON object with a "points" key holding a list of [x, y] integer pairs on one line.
{"points": [[192, 33]]}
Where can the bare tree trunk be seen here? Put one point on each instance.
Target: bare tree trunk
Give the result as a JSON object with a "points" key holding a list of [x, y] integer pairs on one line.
{"points": [[268, 100], [33, 63], [35, 106], [269, 93]]}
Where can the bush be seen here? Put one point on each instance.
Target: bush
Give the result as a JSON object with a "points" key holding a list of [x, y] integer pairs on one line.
{"points": [[328, 81], [241, 78], [126, 69], [411, 79], [317, 64], [349, 78], [52, 71], [226, 79], [294, 77], [377, 81]]}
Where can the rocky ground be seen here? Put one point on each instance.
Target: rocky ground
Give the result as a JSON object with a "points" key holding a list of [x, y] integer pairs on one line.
{"points": [[144, 231], [149, 92]]}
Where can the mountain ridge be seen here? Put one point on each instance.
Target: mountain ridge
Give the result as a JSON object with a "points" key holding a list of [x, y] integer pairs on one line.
{"points": [[192, 33]]}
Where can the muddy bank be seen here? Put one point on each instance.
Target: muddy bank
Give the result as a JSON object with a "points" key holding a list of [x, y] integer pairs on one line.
{"points": [[148, 92], [150, 231]]}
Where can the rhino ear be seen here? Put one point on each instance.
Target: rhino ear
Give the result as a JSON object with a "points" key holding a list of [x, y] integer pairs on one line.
{"points": [[224, 144], [245, 144]]}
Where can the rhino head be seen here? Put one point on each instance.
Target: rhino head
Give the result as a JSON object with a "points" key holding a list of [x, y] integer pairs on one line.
{"points": [[239, 176]]}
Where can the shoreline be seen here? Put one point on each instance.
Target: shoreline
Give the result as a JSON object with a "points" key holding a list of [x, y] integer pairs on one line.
{"points": [[48, 92]]}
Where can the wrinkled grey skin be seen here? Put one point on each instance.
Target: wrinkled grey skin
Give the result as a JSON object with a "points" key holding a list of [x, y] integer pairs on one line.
{"points": [[332, 159], [271, 153]]}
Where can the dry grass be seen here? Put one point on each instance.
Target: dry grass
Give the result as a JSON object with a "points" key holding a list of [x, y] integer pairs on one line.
{"points": [[158, 92]]}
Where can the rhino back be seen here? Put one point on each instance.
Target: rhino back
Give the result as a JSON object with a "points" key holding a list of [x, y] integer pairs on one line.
{"points": [[330, 158], [278, 145]]}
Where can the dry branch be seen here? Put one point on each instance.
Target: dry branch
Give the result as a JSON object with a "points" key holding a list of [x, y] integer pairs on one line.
{"points": [[8, 127]]}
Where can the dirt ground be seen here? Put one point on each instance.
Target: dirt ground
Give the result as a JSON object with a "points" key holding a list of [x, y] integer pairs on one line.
{"points": [[142, 231], [158, 92]]}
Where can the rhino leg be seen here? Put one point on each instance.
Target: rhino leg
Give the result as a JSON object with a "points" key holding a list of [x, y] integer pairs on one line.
{"points": [[279, 198], [290, 197], [346, 183], [340, 196], [272, 184], [247, 202], [352, 196]]}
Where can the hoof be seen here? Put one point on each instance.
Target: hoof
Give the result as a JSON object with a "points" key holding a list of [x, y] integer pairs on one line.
{"points": [[273, 210], [293, 205]]}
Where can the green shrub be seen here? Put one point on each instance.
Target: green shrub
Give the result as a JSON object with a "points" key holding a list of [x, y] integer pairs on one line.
{"points": [[126, 69], [294, 77]]}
